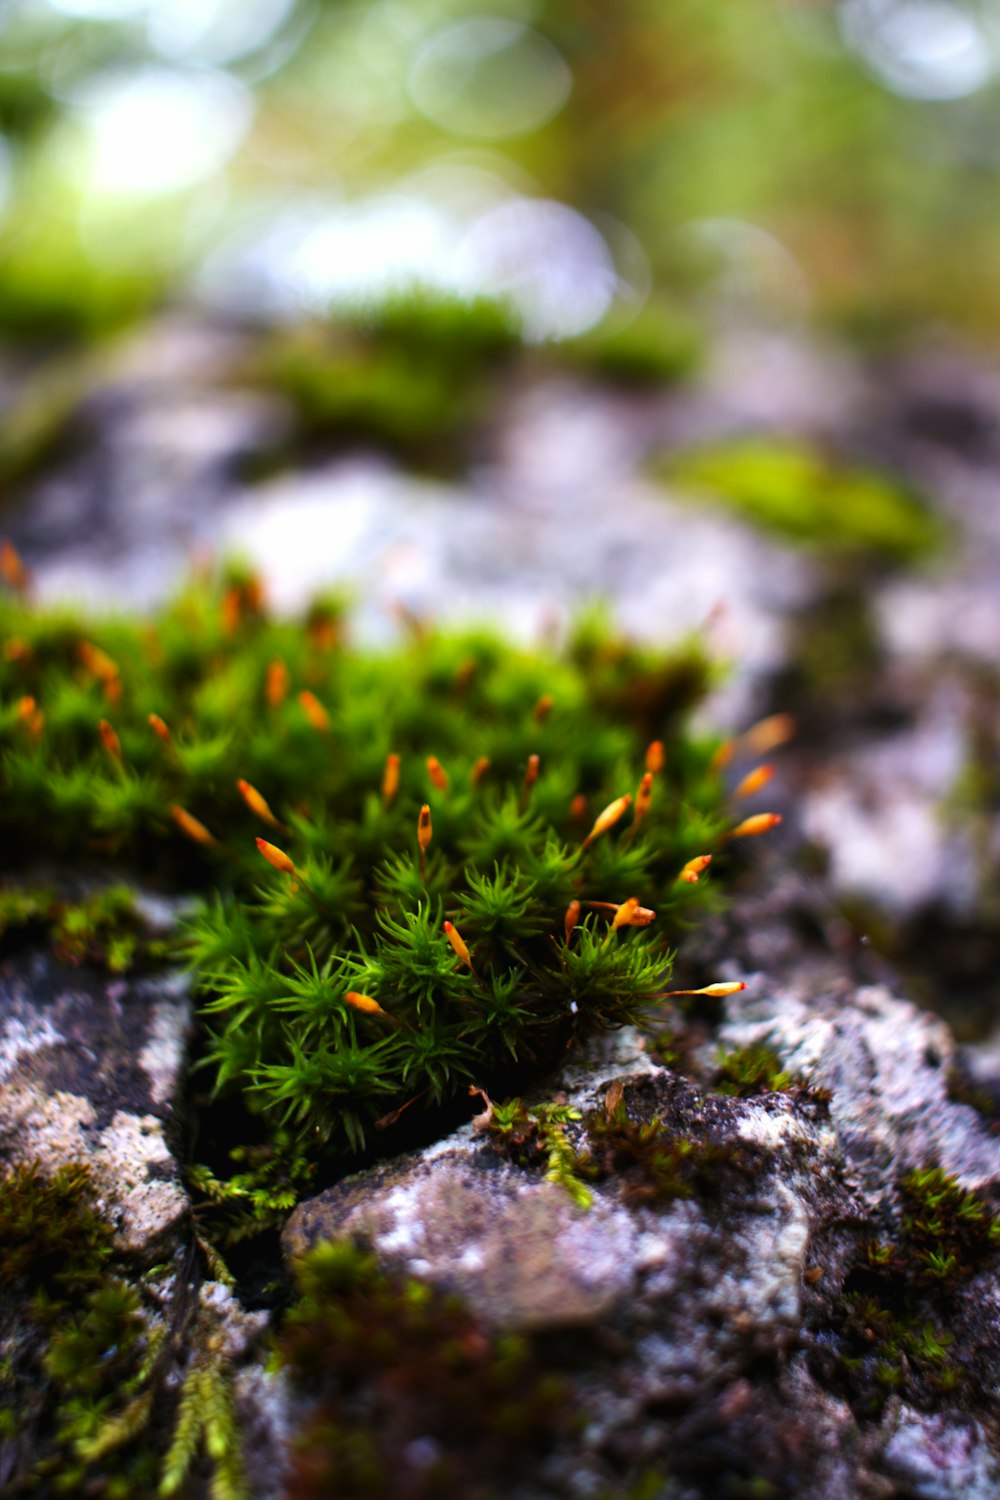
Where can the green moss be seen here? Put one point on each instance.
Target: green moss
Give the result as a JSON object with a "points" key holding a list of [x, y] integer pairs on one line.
{"points": [[104, 928], [746, 1071], [85, 1349], [269, 1180], [791, 489], [835, 657], [413, 373], [890, 1332], [205, 1420], [367, 968], [413, 1396], [948, 1231], [655, 1165], [50, 287], [536, 1137], [75, 1337], [49, 1232], [659, 346], [884, 1348]]}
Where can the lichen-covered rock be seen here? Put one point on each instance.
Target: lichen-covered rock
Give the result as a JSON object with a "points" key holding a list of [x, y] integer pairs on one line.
{"points": [[90, 1073]]}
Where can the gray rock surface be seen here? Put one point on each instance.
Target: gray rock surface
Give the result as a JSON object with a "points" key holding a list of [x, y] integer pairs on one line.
{"points": [[91, 1071]]}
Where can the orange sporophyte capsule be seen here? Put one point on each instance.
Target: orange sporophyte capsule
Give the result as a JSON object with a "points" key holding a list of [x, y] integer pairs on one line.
{"points": [[570, 920], [190, 826], [479, 770], [694, 868], [631, 914], [425, 829], [437, 773], [723, 755], [314, 711], [715, 991], [97, 661], [578, 807], [543, 708], [643, 798], [276, 683], [159, 727], [110, 741], [464, 673], [751, 827], [768, 734], [611, 815], [363, 1003], [276, 857], [16, 648], [12, 570], [458, 943], [253, 593], [31, 716], [754, 781], [531, 774], [323, 632], [231, 609], [390, 778], [655, 758], [256, 803]]}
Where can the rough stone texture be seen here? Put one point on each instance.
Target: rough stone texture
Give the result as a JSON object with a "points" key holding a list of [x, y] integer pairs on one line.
{"points": [[515, 1248], [703, 1329], [90, 1071]]}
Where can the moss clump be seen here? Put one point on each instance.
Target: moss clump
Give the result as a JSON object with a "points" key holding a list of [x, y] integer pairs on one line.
{"points": [[77, 1344], [468, 855], [655, 1164], [414, 1397], [49, 1231], [746, 1071], [658, 347], [883, 1349], [269, 1180], [791, 489], [205, 1420], [947, 1230], [104, 928], [413, 373], [890, 1329], [536, 1137], [86, 1345]]}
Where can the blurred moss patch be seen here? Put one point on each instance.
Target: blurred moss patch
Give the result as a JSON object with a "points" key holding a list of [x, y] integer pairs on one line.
{"points": [[660, 346], [412, 374], [792, 489]]}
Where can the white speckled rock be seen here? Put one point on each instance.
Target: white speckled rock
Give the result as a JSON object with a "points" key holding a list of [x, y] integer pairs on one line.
{"points": [[90, 1071], [941, 1458]]}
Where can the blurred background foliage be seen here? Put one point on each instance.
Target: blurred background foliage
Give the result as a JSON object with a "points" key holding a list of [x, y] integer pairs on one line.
{"points": [[777, 159]]}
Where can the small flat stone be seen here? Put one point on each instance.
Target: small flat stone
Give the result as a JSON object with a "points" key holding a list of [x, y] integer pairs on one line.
{"points": [[514, 1246]]}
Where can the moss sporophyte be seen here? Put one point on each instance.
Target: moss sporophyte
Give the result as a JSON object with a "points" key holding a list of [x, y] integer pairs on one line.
{"points": [[430, 866]]}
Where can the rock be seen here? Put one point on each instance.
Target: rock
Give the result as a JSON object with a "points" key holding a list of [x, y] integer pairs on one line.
{"points": [[91, 1071], [941, 1458], [709, 1336], [517, 1249]]}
